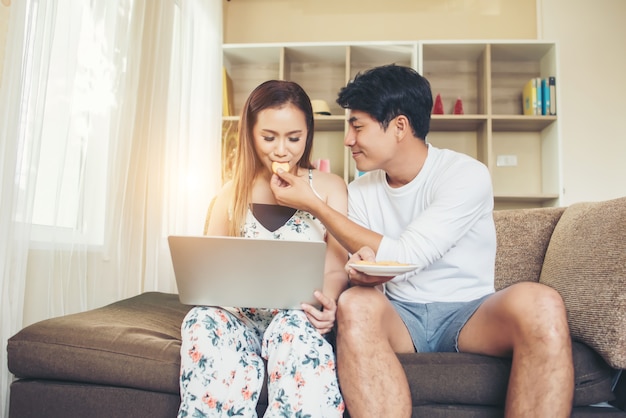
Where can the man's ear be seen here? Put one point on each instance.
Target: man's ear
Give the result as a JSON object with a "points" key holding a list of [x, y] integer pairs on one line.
{"points": [[401, 127]]}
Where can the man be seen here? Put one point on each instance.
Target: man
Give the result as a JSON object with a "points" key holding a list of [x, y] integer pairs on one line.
{"points": [[432, 208]]}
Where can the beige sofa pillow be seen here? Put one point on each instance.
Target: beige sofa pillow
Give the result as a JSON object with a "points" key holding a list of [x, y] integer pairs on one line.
{"points": [[523, 236], [586, 263]]}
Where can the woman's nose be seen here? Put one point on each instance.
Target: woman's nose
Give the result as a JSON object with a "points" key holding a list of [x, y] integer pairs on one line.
{"points": [[280, 147]]}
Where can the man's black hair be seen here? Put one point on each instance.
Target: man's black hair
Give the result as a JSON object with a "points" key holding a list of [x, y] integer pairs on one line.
{"points": [[388, 91]]}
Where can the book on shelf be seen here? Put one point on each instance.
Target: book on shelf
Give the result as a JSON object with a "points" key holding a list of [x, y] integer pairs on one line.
{"points": [[552, 88], [529, 97], [539, 96], [545, 102]]}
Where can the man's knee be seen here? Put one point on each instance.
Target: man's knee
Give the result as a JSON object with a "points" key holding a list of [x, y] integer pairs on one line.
{"points": [[357, 305], [541, 311]]}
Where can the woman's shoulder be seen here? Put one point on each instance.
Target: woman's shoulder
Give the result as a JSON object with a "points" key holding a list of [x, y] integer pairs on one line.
{"points": [[327, 179], [330, 186], [223, 198], [226, 191]]}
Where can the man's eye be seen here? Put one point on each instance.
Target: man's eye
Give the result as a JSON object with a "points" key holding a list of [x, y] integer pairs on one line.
{"points": [[356, 128], [268, 138]]}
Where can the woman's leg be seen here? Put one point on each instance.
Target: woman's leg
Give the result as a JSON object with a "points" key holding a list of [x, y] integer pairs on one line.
{"points": [[302, 376], [221, 371]]}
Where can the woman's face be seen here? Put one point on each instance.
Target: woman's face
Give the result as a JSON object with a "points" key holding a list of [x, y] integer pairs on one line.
{"points": [[280, 136]]}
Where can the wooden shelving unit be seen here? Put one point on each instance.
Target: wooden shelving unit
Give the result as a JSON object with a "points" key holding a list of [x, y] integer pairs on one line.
{"points": [[487, 76]]}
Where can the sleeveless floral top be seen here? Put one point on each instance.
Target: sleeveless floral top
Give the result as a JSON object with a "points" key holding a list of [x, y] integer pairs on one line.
{"points": [[302, 226]]}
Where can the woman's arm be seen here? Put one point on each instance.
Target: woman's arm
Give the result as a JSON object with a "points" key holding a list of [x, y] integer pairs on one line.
{"points": [[333, 189], [219, 217], [335, 276]]}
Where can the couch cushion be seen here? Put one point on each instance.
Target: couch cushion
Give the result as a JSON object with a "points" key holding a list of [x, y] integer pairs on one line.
{"points": [[523, 236], [471, 379], [133, 343], [586, 263]]}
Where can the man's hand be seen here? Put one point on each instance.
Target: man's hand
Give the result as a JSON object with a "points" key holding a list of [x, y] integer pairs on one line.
{"points": [[293, 191], [323, 319], [357, 278]]}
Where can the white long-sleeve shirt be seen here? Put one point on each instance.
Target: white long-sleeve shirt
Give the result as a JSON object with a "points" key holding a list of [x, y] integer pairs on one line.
{"points": [[441, 221]]}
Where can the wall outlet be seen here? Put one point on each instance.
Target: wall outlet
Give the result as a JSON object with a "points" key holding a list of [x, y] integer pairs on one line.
{"points": [[506, 160]]}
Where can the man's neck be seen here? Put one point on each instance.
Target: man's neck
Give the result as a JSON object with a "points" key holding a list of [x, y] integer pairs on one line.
{"points": [[407, 164]]}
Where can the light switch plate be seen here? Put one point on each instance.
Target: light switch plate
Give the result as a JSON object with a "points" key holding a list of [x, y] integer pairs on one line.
{"points": [[506, 160]]}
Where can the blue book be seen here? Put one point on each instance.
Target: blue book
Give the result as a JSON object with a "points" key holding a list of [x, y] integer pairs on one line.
{"points": [[545, 103]]}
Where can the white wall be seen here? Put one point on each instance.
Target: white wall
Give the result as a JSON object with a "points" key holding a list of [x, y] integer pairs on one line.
{"points": [[591, 38]]}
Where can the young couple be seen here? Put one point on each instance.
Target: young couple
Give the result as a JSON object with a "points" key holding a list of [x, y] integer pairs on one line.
{"points": [[416, 204]]}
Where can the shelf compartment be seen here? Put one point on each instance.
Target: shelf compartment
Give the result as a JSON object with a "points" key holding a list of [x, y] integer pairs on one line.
{"points": [[329, 145], [538, 198], [457, 71], [456, 122], [527, 160], [320, 70], [512, 65], [364, 57], [503, 202], [249, 66], [466, 142], [330, 123], [504, 123]]}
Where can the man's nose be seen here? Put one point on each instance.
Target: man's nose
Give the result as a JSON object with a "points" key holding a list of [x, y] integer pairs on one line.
{"points": [[349, 140]]}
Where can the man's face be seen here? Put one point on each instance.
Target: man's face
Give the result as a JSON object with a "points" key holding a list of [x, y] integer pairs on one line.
{"points": [[372, 147]]}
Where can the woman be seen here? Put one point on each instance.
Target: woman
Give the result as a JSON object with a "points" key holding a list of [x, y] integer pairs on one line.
{"points": [[224, 349]]}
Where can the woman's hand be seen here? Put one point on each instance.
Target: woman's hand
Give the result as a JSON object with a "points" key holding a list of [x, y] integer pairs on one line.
{"points": [[323, 320]]}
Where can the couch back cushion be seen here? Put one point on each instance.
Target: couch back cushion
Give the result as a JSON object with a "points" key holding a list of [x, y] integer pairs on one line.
{"points": [[523, 236], [586, 263]]}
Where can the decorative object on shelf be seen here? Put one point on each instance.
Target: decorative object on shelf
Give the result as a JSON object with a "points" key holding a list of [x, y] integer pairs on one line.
{"points": [[320, 107], [458, 107], [227, 94], [229, 145], [323, 164], [438, 107]]}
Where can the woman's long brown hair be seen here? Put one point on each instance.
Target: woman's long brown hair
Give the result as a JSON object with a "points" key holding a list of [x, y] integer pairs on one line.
{"points": [[270, 94]]}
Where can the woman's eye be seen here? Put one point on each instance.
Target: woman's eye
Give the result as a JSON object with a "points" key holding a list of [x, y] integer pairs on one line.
{"points": [[294, 139], [268, 138]]}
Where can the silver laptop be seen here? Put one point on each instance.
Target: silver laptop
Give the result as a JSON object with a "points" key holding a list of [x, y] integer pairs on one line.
{"points": [[244, 272]]}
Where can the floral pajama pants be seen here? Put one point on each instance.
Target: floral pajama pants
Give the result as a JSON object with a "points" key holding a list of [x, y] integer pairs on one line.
{"points": [[223, 367]]}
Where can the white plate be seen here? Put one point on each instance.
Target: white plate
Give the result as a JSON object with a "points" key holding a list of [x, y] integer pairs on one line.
{"points": [[383, 270]]}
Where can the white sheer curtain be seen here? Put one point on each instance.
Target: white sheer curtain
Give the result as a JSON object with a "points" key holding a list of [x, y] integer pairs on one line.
{"points": [[109, 142]]}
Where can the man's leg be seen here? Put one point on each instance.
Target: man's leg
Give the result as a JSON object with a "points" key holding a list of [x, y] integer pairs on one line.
{"points": [[369, 334], [529, 321]]}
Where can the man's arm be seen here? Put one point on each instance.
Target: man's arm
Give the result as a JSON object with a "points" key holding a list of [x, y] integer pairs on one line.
{"points": [[296, 192]]}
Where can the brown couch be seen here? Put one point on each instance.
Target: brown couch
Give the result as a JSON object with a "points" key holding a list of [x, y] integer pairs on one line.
{"points": [[122, 360]]}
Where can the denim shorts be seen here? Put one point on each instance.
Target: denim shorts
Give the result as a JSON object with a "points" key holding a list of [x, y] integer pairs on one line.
{"points": [[435, 327]]}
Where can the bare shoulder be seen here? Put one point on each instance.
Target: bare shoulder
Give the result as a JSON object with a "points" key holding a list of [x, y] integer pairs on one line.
{"points": [[330, 182], [225, 192], [332, 188], [220, 212]]}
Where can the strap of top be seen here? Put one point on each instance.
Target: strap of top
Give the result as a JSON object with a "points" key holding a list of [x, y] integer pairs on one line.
{"points": [[311, 183]]}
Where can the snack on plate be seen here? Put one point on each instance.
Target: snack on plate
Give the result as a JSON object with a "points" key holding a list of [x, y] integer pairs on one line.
{"points": [[381, 263], [276, 165]]}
